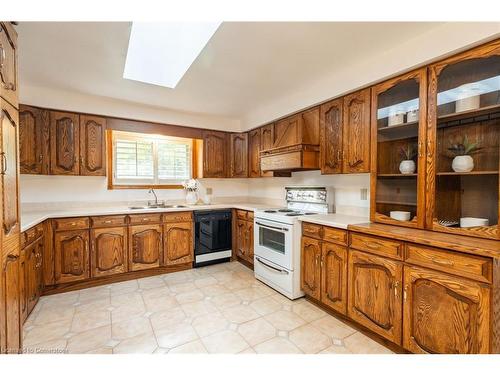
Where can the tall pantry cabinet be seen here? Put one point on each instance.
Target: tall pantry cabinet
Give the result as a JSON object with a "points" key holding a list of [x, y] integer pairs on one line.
{"points": [[10, 325]]}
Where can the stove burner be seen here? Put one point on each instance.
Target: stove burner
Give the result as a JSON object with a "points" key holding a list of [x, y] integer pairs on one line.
{"points": [[285, 210], [294, 214], [310, 213], [270, 211]]}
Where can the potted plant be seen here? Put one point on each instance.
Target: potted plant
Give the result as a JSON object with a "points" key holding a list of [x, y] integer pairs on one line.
{"points": [[408, 153], [191, 187], [463, 162]]}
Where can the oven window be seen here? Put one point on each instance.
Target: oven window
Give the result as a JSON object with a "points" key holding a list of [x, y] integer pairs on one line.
{"points": [[272, 240]]}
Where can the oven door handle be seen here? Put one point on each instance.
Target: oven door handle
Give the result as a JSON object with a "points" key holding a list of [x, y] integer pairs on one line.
{"points": [[271, 227], [271, 267]]}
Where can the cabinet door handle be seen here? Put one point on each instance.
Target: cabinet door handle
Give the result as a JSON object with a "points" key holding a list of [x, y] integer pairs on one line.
{"points": [[40, 158], [443, 262], [107, 221], [396, 287], [2, 56], [374, 246], [4, 163], [405, 292], [419, 149]]}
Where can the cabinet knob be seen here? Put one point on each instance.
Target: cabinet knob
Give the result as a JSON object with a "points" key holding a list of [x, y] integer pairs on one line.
{"points": [[2, 56]]}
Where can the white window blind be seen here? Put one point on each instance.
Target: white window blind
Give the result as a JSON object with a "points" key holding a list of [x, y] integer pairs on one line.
{"points": [[154, 160]]}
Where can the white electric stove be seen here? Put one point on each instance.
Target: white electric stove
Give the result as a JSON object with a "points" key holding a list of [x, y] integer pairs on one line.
{"points": [[277, 234]]}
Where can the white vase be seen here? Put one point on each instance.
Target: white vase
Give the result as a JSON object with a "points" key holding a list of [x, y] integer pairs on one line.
{"points": [[462, 163], [407, 167], [191, 197]]}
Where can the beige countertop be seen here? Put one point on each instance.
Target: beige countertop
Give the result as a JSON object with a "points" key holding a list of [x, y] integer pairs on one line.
{"points": [[334, 220], [30, 218]]}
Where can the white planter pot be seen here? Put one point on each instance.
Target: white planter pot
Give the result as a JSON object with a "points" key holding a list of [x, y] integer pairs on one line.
{"points": [[462, 163], [407, 167], [191, 197]]}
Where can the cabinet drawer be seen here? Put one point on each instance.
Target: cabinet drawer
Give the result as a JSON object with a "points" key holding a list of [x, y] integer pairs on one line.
{"points": [[311, 230], [31, 235], [471, 266], [335, 235], [250, 215], [377, 245], [176, 217], [108, 221], [241, 214], [145, 219], [71, 223]]}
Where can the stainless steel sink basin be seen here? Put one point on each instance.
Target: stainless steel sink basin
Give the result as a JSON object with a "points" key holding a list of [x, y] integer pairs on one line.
{"points": [[157, 206]]}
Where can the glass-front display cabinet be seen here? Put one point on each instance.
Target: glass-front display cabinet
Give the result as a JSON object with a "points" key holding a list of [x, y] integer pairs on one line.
{"points": [[463, 143], [398, 123]]}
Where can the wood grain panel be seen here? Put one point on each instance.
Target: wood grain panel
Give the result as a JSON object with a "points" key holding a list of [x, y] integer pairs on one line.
{"points": [[145, 246], [178, 243], [334, 276], [239, 155], [92, 146], [376, 245], [310, 270], [254, 147], [109, 251], [71, 250], [64, 143], [176, 217], [331, 127], [71, 223], [34, 140], [215, 159], [9, 88]]}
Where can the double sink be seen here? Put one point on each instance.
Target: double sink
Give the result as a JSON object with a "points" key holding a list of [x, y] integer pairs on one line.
{"points": [[159, 205]]}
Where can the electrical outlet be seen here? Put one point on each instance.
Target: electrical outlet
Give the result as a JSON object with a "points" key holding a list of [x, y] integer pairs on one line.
{"points": [[363, 194], [209, 191]]}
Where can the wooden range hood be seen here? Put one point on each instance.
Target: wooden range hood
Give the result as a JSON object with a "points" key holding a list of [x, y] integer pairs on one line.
{"points": [[296, 144]]}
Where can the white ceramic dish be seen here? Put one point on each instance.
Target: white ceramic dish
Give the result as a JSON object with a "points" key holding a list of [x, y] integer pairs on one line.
{"points": [[400, 215], [468, 222]]}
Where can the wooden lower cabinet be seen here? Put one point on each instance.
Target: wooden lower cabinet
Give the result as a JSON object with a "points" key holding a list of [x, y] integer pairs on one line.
{"points": [[109, 251], [444, 313], [178, 242], [33, 278], [334, 276], [375, 294], [310, 271], [145, 246], [71, 255], [241, 238], [244, 235], [10, 316]]}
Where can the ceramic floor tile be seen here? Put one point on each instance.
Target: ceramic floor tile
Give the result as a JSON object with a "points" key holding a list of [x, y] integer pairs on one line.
{"points": [[47, 332], [189, 297], [92, 294], [308, 311], [123, 287], [257, 331], [277, 345], [228, 342], [162, 319], [250, 294], [266, 305], [361, 344], [334, 349], [126, 312], [214, 290], [103, 350], [89, 319], [223, 301], [333, 327], [198, 308], [97, 304], [89, 340], [205, 281], [182, 287], [151, 282], [144, 343], [130, 328], [175, 335], [49, 347], [309, 339], [210, 323], [193, 347], [240, 314], [285, 320]]}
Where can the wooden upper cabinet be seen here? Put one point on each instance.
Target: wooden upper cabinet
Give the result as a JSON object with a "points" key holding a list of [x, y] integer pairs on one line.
{"points": [[445, 314], [299, 129], [71, 254], [214, 154], [34, 140], [178, 245], [239, 155], [375, 288], [310, 270], [356, 132], [334, 276], [109, 251], [464, 112], [64, 143], [254, 147], [331, 127], [8, 64], [92, 146], [398, 126], [145, 246], [9, 174]]}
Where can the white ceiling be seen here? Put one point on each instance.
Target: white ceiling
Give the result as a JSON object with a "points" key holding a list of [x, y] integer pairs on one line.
{"points": [[244, 66]]}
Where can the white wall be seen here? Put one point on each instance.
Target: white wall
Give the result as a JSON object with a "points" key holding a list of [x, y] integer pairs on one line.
{"points": [[433, 45], [78, 102]]}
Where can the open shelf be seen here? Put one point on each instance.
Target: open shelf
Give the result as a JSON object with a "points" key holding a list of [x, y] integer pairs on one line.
{"points": [[413, 124], [473, 173], [470, 113], [409, 204], [397, 175]]}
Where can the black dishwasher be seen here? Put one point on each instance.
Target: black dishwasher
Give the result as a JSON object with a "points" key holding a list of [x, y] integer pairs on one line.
{"points": [[212, 237]]}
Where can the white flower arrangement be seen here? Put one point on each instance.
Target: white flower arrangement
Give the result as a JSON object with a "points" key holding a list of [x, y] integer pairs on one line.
{"points": [[190, 185]]}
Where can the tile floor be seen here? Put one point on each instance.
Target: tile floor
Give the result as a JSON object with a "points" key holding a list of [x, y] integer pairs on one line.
{"points": [[215, 309]]}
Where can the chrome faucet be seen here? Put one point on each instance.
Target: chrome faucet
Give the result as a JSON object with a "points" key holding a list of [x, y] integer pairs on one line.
{"points": [[156, 198]]}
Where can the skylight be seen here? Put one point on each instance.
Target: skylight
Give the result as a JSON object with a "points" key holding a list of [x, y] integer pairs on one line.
{"points": [[160, 53]]}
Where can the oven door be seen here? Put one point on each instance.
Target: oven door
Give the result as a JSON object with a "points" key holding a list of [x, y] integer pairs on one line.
{"points": [[273, 241]]}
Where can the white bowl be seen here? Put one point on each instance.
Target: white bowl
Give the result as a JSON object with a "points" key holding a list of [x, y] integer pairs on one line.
{"points": [[400, 215], [468, 222]]}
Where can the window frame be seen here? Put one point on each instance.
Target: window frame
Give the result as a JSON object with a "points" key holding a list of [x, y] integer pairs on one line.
{"points": [[142, 183]]}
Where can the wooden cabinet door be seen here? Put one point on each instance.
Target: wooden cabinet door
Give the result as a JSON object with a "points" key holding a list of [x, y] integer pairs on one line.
{"points": [[33, 274], [34, 140], [310, 272], [288, 131], [331, 125], [356, 132], [92, 146], [250, 241], [239, 155], [178, 243], [64, 143], [23, 292], [71, 253], [145, 246], [334, 276], [374, 298], [109, 250], [214, 154], [445, 314], [9, 173], [8, 65], [254, 147], [241, 238], [9, 278], [267, 142]]}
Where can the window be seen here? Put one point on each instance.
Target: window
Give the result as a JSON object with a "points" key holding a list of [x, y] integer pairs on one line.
{"points": [[144, 159]]}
